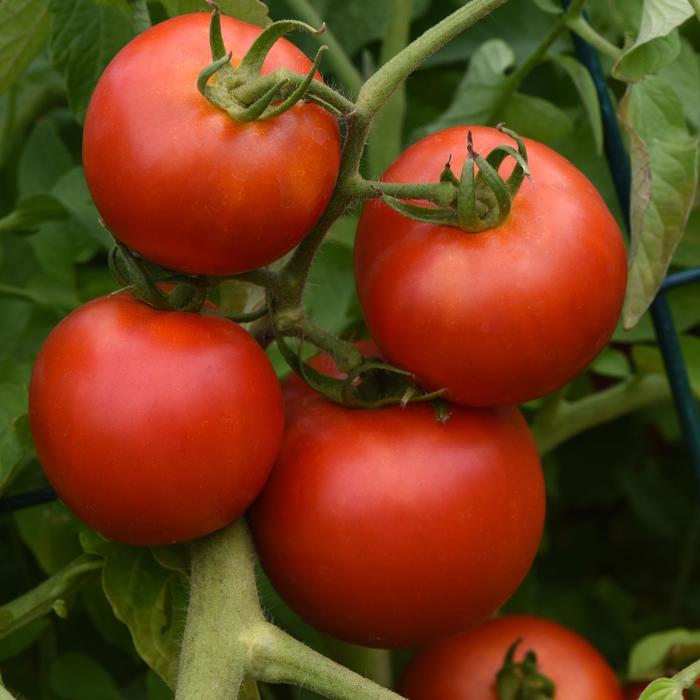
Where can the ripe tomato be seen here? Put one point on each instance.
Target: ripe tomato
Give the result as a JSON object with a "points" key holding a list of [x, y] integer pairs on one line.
{"points": [[505, 315], [154, 427], [386, 528], [464, 667], [176, 179]]}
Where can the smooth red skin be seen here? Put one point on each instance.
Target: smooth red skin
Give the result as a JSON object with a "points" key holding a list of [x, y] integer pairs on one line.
{"points": [[385, 528], [498, 317], [154, 427], [464, 667], [176, 179]]}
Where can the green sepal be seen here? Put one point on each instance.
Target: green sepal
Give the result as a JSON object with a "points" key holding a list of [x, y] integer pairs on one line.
{"points": [[207, 72], [251, 65], [417, 212], [522, 680], [467, 210], [298, 94]]}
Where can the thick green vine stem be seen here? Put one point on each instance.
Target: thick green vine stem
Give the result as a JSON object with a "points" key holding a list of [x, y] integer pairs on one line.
{"points": [[563, 419], [227, 640]]}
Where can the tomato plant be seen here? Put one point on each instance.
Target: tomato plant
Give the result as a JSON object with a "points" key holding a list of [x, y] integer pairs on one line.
{"points": [[388, 528], [175, 178], [393, 515], [154, 427], [501, 316], [464, 667]]}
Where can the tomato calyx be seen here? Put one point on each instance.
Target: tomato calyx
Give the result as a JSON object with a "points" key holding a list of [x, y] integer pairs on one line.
{"points": [[245, 95], [369, 382], [144, 281], [522, 680], [481, 200]]}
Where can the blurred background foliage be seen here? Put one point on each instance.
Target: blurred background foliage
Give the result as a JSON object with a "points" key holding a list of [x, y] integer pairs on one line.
{"points": [[619, 557]]}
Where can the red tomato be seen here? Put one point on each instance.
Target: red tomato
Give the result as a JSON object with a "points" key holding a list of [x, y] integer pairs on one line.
{"points": [[386, 528], [501, 316], [176, 179], [464, 667], [154, 427]]}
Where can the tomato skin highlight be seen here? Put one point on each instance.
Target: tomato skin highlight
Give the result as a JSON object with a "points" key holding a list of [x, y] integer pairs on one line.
{"points": [[386, 528], [498, 317], [154, 427], [176, 179], [464, 667]]}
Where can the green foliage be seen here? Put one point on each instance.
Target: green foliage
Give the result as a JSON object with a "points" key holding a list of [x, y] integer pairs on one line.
{"points": [[618, 562], [664, 159], [25, 29]]}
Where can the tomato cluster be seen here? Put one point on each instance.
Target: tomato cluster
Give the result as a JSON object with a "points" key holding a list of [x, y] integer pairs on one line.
{"points": [[382, 526]]}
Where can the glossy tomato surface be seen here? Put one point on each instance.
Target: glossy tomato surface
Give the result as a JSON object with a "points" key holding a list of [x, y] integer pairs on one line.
{"points": [[386, 528], [505, 315], [154, 427], [464, 667], [176, 179]]}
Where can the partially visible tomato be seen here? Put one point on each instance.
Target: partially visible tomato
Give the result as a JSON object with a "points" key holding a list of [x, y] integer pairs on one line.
{"points": [[386, 528], [154, 427], [501, 316], [176, 179], [464, 667]]}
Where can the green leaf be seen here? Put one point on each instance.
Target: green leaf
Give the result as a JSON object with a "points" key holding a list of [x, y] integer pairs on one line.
{"points": [[72, 191], [85, 35], [534, 117], [252, 11], [664, 159], [648, 358], [74, 676], [13, 406], [31, 212], [24, 637], [25, 29], [482, 89], [486, 96], [612, 363], [684, 75], [662, 689], [582, 80], [648, 656], [51, 532], [148, 598], [688, 252], [657, 43], [44, 159], [331, 292]]}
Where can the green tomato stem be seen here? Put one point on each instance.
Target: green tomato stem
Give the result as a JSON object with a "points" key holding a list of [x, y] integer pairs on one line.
{"points": [[214, 661], [568, 418], [228, 644], [580, 26], [279, 658], [340, 62], [379, 88], [40, 601], [386, 136], [440, 193]]}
